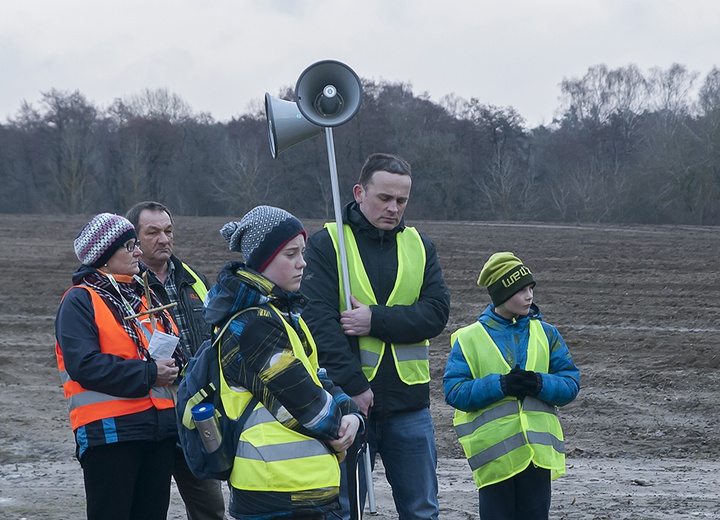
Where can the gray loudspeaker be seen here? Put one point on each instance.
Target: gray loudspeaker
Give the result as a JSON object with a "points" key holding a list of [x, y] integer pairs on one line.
{"points": [[328, 93], [286, 125]]}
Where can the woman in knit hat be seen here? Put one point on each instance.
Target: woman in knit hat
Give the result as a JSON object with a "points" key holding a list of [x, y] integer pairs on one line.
{"points": [[268, 353], [121, 409], [505, 375]]}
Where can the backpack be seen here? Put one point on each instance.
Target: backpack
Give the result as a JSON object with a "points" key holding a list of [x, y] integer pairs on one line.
{"points": [[201, 384]]}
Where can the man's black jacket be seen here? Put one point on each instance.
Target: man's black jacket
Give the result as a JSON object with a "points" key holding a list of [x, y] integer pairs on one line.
{"points": [[338, 353], [189, 304]]}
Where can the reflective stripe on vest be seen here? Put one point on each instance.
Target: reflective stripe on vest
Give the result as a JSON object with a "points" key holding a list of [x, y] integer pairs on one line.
{"points": [[500, 440], [198, 286], [269, 456], [87, 406], [412, 361]]}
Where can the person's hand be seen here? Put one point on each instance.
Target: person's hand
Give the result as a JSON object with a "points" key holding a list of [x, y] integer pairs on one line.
{"points": [[167, 372], [340, 456], [364, 401], [356, 321], [521, 383], [349, 425], [533, 383], [512, 384]]}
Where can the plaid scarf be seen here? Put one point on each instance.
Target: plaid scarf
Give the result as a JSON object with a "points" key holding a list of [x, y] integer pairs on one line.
{"points": [[133, 294]]}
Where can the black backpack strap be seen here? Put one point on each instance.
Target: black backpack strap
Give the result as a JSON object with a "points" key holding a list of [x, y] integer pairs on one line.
{"points": [[246, 413]]}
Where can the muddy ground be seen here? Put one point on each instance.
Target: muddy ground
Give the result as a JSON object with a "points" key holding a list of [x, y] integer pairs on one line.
{"points": [[639, 307]]}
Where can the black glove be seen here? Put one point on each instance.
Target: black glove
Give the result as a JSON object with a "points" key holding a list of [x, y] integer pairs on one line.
{"points": [[531, 381], [521, 383], [513, 384]]}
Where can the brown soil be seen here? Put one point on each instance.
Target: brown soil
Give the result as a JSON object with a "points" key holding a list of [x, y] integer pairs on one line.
{"points": [[637, 305]]}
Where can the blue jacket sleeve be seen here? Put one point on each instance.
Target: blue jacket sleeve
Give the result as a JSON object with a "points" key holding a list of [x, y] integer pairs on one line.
{"points": [[344, 401], [562, 382], [462, 390]]}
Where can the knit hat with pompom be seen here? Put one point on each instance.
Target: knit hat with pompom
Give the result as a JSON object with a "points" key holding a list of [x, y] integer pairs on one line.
{"points": [[261, 234]]}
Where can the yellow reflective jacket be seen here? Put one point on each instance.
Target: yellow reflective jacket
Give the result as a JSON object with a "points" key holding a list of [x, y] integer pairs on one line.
{"points": [[502, 439], [271, 457], [412, 361]]}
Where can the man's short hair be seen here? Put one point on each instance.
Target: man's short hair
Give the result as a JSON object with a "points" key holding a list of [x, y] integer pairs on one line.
{"points": [[133, 214], [382, 162]]}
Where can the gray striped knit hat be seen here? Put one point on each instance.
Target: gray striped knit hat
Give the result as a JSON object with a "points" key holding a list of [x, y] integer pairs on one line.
{"points": [[101, 237], [261, 234]]}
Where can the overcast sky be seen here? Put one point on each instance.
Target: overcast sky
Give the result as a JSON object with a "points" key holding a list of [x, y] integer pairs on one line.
{"points": [[221, 55]]}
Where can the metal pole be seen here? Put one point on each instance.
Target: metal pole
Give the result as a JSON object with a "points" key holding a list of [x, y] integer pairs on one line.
{"points": [[353, 485], [369, 481], [345, 275]]}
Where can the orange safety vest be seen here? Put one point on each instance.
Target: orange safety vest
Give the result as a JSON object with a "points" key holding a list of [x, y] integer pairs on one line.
{"points": [[87, 406]]}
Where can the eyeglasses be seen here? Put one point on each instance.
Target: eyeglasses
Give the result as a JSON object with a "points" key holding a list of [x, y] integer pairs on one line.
{"points": [[131, 244]]}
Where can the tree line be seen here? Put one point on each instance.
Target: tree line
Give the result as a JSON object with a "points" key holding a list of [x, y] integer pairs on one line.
{"points": [[625, 147]]}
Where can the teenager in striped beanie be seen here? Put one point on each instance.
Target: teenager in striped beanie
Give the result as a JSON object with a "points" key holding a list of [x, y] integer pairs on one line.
{"points": [[269, 352], [261, 234]]}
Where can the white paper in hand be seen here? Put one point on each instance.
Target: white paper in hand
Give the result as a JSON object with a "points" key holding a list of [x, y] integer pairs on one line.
{"points": [[162, 345]]}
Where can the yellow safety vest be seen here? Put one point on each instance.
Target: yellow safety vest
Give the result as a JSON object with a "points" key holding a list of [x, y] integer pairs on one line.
{"points": [[501, 440], [271, 457], [412, 361], [198, 286]]}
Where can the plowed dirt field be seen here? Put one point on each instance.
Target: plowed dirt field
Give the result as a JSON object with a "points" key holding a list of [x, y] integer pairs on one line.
{"points": [[639, 307]]}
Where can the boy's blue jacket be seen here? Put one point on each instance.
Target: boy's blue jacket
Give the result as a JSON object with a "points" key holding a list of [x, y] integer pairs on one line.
{"points": [[560, 386]]}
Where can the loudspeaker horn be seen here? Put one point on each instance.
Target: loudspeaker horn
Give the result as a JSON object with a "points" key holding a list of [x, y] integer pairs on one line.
{"points": [[286, 125], [328, 93]]}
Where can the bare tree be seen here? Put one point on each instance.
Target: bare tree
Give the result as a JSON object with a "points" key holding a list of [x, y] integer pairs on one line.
{"points": [[603, 92], [70, 120], [671, 90], [709, 95], [505, 178], [242, 181], [158, 104]]}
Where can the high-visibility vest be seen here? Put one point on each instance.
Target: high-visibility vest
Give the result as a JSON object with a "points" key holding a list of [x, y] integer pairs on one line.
{"points": [[412, 361], [198, 286], [269, 456], [502, 439], [87, 406]]}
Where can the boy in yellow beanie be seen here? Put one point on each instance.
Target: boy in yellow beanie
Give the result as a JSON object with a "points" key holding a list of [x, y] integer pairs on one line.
{"points": [[505, 375]]}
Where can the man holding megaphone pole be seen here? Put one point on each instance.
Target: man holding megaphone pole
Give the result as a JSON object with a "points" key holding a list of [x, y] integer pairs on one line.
{"points": [[377, 295], [378, 350]]}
